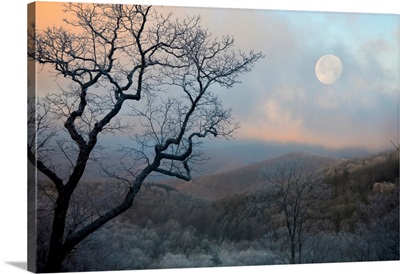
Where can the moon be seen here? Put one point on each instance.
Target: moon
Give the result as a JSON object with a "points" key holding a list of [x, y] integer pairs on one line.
{"points": [[328, 69]]}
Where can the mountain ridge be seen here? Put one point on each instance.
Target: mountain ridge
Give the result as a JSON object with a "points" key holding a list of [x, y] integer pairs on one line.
{"points": [[239, 180]]}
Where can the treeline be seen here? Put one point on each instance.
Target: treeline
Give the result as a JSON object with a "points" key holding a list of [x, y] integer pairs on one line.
{"points": [[232, 218]]}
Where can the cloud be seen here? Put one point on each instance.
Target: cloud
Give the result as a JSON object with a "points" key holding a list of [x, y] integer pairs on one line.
{"points": [[327, 99], [274, 122]]}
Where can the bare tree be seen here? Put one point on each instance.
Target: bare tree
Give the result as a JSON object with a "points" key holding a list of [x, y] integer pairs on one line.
{"points": [[116, 56], [295, 188], [397, 147]]}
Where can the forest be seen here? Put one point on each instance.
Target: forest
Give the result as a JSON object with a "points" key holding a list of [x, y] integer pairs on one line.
{"points": [[296, 208]]}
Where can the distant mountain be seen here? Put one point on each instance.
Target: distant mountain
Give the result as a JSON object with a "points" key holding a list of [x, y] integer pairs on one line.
{"points": [[229, 155], [224, 155], [242, 179]]}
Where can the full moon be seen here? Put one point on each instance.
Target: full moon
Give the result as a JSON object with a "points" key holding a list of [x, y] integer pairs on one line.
{"points": [[328, 69]]}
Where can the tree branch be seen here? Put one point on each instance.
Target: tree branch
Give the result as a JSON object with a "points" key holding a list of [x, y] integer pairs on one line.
{"points": [[58, 182]]}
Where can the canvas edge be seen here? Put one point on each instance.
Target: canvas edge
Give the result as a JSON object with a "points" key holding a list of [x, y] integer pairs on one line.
{"points": [[31, 178]]}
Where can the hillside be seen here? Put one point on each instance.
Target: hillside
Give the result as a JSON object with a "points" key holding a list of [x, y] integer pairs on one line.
{"points": [[352, 183], [243, 179], [380, 167], [226, 200], [227, 218], [226, 208]]}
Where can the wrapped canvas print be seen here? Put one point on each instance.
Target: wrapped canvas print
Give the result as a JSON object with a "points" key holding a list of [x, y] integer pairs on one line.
{"points": [[171, 137]]}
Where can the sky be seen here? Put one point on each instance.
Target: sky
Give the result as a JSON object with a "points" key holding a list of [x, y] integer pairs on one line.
{"points": [[281, 100]]}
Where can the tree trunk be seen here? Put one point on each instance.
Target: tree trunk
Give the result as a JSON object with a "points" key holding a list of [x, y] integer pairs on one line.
{"points": [[54, 261], [60, 247], [56, 253], [292, 252], [300, 250]]}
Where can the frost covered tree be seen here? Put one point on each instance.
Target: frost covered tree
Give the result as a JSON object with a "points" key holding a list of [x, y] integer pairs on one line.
{"points": [[296, 190]]}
